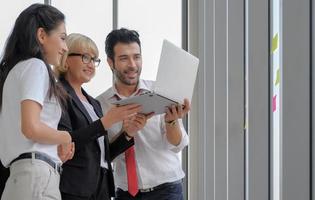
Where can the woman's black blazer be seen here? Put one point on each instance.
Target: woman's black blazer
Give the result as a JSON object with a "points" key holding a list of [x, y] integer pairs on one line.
{"points": [[81, 174]]}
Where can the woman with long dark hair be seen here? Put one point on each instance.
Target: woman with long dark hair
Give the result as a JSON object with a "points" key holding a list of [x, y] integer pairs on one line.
{"points": [[30, 105]]}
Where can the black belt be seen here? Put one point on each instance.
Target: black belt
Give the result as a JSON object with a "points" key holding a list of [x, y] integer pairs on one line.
{"points": [[158, 187], [42, 157]]}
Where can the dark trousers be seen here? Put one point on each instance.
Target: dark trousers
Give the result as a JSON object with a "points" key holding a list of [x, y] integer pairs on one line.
{"points": [[167, 191], [101, 193]]}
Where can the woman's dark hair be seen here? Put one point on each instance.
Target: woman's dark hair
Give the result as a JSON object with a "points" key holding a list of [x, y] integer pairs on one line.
{"points": [[122, 35], [23, 44]]}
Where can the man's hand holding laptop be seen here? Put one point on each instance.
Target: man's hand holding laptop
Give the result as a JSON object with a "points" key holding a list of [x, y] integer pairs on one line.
{"points": [[134, 123], [176, 112]]}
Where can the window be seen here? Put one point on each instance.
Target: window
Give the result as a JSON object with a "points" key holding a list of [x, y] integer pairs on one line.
{"points": [[11, 10], [276, 99], [94, 19], [154, 21]]}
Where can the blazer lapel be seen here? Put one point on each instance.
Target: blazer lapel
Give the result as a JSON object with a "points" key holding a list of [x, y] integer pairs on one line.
{"points": [[94, 103], [75, 98]]}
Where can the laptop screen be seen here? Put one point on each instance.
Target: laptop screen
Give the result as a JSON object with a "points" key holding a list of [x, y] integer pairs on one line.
{"points": [[176, 73]]}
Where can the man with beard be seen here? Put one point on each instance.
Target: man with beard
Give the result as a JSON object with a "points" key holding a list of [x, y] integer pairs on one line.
{"points": [[151, 169]]}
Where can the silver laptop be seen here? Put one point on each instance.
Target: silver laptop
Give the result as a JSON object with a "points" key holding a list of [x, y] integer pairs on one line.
{"points": [[174, 81]]}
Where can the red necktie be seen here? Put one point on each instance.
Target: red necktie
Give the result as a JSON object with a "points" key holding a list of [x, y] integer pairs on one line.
{"points": [[131, 171]]}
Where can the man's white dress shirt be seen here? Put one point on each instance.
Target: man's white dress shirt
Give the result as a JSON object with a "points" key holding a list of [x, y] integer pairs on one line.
{"points": [[157, 160]]}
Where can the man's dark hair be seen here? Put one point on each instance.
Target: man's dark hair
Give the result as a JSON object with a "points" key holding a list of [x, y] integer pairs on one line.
{"points": [[122, 35]]}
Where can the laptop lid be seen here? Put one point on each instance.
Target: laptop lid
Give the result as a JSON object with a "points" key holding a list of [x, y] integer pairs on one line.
{"points": [[176, 73]]}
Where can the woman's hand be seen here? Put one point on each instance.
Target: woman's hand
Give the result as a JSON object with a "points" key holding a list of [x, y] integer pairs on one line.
{"points": [[177, 111], [135, 123], [66, 151], [119, 113]]}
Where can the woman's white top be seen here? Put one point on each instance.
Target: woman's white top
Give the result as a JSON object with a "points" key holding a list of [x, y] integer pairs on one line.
{"points": [[28, 80]]}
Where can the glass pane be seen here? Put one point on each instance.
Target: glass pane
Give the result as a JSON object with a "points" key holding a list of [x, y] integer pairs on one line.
{"points": [[11, 10], [276, 97], [155, 21], [94, 19]]}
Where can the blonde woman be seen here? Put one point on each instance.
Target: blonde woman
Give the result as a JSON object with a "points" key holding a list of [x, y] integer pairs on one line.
{"points": [[89, 174]]}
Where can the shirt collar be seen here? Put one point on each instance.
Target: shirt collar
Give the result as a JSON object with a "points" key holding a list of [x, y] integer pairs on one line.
{"points": [[141, 88]]}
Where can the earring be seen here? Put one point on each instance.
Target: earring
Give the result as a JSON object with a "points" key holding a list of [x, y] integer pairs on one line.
{"points": [[66, 67]]}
